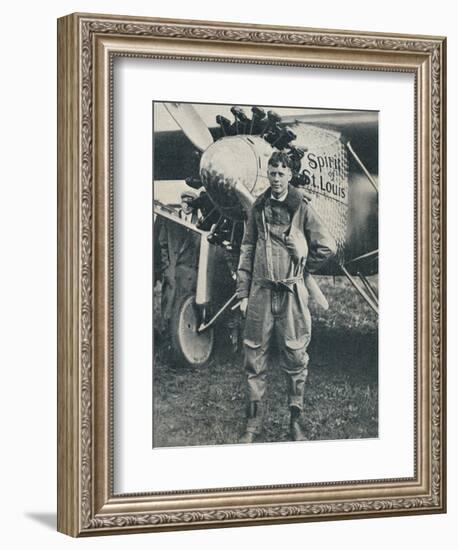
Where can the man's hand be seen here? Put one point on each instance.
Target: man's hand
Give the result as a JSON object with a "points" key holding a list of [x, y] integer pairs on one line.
{"points": [[242, 304]]}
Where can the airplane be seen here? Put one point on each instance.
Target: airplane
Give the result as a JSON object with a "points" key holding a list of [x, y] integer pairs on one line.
{"points": [[334, 154]]}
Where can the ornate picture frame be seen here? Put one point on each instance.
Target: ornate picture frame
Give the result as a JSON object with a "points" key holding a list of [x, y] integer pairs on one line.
{"points": [[87, 47]]}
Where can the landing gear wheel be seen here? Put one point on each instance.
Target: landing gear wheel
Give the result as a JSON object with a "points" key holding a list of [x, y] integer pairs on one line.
{"points": [[188, 346]]}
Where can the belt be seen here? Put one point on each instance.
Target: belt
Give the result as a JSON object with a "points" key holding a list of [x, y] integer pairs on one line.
{"points": [[281, 284]]}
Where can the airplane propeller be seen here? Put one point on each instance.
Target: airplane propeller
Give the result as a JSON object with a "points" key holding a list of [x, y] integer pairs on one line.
{"points": [[233, 168], [223, 176], [191, 123]]}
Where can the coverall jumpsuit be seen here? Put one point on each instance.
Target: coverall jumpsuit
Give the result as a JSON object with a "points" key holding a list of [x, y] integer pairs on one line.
{"points": [[273, 281]]}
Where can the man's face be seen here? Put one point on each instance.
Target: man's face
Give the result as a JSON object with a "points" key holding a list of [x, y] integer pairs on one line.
{"points": [[279, 177], [186, 207]]}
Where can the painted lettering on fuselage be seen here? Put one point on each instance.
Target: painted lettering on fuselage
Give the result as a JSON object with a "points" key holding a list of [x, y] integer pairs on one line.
{"points": [[326, 175]]}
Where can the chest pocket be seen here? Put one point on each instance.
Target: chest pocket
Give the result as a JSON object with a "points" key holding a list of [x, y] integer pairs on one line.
{"points": [[275, 223]]}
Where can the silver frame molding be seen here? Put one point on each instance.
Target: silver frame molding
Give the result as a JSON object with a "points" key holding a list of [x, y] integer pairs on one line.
{"points": [[87, 45]]}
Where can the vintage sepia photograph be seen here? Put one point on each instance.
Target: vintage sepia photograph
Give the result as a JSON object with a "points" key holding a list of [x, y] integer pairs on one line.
{"points": [[265, 252]]}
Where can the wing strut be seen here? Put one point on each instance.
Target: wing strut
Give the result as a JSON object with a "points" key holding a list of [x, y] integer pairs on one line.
{"points": [[370, 290], [368, 296], [363, 168]]}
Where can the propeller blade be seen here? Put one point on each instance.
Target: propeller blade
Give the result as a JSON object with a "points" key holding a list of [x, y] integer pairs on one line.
{"points": [[191, 123], [315, 291]]}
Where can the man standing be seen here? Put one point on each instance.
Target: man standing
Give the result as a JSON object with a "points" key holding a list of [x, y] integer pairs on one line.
{"points": [[179, 254], [283, 235]]}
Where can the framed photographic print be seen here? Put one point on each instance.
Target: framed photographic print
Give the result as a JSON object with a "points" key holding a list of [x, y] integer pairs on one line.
{"points": [[251, 274]]}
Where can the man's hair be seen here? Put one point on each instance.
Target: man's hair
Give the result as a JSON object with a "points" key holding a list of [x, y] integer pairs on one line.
{"points": [[278, 158]]}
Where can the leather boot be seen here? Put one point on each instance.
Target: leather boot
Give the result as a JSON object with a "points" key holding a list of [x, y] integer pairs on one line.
{"points": [[295, 428], [254, 420]]}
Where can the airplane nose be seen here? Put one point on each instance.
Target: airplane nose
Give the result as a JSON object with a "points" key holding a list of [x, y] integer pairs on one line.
{"points": [[230, 169]]}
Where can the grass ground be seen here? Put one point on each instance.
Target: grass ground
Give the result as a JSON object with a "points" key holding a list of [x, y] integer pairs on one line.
{"points": [[206, 406]]}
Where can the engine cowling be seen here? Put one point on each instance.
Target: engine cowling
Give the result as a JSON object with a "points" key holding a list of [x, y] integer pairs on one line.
{"points": [[233, 171]]}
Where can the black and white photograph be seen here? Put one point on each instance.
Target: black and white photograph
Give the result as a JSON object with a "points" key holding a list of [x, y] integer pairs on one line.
{"points": [[217, 332], [265, 301]]}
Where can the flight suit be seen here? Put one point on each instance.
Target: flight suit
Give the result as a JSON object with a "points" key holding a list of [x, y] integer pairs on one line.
{"points": [[272, 279]]}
